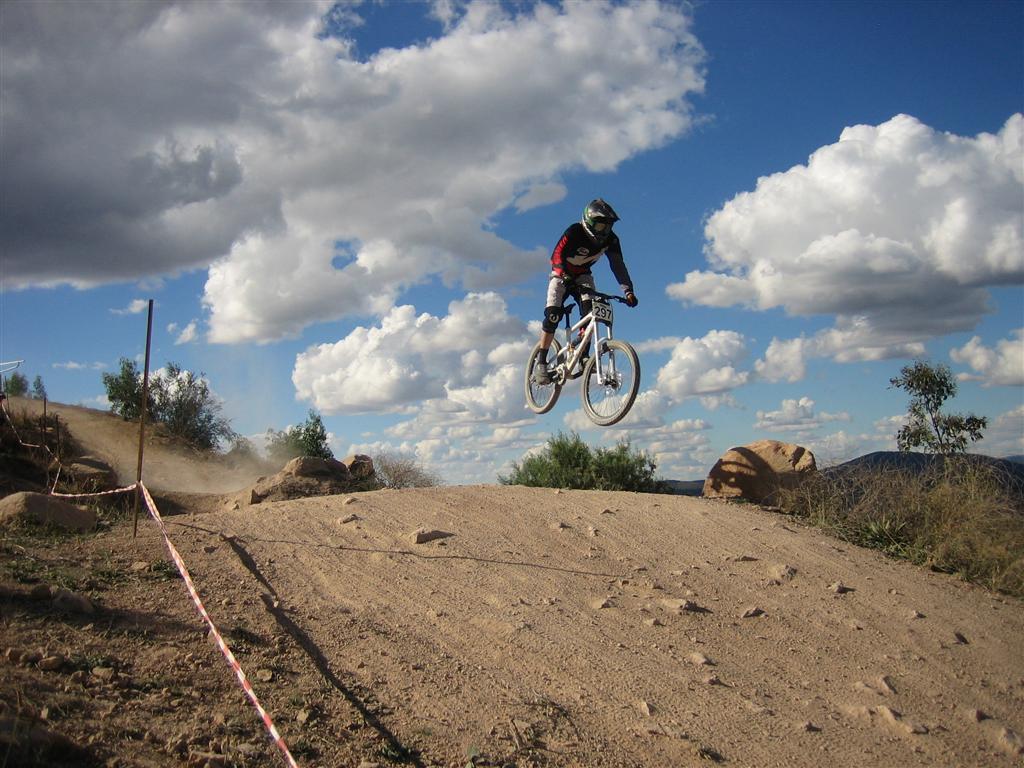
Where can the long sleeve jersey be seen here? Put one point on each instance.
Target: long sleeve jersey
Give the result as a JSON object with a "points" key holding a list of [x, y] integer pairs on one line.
{"points": [[577, 251]]}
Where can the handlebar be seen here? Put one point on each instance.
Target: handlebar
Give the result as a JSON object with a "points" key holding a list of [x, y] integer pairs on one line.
{"points": [[599, 295], [594, 294]]}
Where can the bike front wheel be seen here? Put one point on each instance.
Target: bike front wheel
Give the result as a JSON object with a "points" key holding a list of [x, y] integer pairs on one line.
{"points": [[541, 398], [608, 395]]}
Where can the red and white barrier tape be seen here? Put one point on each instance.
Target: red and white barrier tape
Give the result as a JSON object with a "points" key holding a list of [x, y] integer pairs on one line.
{"points": [[232, 662], [96, 493], [186, 576]]}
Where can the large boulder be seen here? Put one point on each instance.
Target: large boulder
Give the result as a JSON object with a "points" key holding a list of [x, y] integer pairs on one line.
{"points": [[758, 471], [40, 509], [359, 465], [300, 478], [313, 466]]}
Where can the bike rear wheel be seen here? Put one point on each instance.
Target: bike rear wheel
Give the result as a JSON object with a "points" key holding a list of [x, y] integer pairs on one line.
{"points": [[541, 398], [607, 398]]}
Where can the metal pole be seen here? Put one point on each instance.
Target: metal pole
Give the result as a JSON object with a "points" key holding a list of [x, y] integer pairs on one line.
{"points": [[43, 442], [142, 422]]}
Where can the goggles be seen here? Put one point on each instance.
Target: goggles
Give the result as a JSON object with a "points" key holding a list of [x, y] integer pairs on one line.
{"points": [[602, 225]]}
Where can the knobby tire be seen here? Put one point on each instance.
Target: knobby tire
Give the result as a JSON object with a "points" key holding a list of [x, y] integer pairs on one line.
{"points": [[622, 351], [542, 398]]}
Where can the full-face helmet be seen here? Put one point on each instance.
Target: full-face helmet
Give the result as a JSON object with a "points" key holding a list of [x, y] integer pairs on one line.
{"points": [[598, 219]]}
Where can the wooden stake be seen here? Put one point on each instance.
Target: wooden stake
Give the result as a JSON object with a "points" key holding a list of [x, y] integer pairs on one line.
{"points": [[142, 422]]}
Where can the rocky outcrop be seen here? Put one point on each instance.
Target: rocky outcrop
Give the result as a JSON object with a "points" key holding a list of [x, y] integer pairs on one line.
{"points": [[313, 466], [309, 476], [359, 465], [40, 509], [758, 471]]}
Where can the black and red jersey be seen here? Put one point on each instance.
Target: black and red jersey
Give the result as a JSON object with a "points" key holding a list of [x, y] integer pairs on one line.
{"points": [[577, 251]]}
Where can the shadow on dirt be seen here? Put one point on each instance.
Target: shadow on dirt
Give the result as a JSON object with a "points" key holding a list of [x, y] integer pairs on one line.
{"points": [[400, 751], [150, 623]]}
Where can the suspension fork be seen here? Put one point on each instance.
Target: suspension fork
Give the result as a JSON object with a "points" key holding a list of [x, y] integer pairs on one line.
{"points": [[600, 342]]}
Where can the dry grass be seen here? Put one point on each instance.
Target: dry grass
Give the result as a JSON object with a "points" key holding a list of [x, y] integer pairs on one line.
{"points": [[960, 515]]}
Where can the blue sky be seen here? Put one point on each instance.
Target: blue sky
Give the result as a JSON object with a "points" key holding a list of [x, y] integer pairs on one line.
{"points": [[350, 208]]}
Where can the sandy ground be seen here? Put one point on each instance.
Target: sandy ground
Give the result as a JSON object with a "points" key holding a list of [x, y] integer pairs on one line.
{"points": [[546, 628]]}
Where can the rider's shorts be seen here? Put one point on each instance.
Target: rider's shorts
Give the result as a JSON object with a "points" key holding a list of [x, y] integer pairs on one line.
{"points": [[557, 289]]}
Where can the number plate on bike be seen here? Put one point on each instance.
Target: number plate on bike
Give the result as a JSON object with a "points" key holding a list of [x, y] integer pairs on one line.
{"points": [[602, 311]]}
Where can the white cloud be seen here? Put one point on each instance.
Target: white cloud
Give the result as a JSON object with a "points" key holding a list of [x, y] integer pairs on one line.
{"points": [[661, 344], [648, 411], [435, 154], [411, 358], [135, 307], [540, 194], [890, 425], [188, 334], [881, 229], [469, 450], [851, 340], [705, 367], [72, 365], [840, 447], [1004, 435], [784, 360], [796, 416], [237, 138], [1001, 366]]}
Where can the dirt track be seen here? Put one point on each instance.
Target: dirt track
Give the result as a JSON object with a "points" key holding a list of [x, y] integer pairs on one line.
{"points": [[166, 467], [589, 629]]}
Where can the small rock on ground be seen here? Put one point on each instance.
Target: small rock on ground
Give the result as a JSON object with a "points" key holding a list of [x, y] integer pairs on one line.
{"points": [[424, 535]]}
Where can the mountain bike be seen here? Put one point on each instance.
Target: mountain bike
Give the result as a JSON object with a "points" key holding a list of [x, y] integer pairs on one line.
{"points": [[611, 375]]}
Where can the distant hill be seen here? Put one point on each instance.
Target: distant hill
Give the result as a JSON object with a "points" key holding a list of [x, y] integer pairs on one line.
{"points": [[686, 487], [1013, 467]]}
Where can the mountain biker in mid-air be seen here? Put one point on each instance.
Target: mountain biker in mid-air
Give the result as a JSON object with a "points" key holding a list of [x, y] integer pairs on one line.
{"points": [[582, 244]]}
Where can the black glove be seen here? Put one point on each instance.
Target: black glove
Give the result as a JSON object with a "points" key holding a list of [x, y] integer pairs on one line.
{"points": [[631, 299]]}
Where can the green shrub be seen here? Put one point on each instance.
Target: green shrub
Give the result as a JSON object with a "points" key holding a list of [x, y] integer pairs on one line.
{"points": [[959, 515], [124, 391], [568, 462], [307, 439], [184, 404], [16, 385], [178, 399], [564, 463], [623, 469]]}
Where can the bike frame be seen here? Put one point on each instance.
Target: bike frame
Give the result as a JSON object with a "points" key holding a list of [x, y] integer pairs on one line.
{"points": [[590, 322]]}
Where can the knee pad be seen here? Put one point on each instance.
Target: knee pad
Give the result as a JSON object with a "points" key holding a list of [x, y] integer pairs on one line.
{"points": [[551, 317]]}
